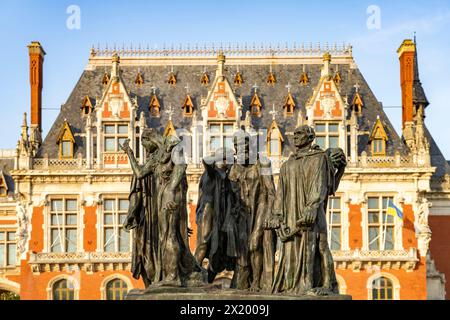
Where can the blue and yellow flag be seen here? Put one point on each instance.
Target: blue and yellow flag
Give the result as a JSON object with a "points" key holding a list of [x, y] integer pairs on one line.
{"points": [[393, 210]]}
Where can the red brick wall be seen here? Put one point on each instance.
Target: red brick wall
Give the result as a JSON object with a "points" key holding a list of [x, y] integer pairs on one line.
{"points": [[440, 246], [409, 234], [413, 284], [355, 231], [90, 230]]}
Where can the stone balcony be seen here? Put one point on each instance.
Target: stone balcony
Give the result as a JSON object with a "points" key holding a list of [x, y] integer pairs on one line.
{"points": [[383, 259], [76, 261]]}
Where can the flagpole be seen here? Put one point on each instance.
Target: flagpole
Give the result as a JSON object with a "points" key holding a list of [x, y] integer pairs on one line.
{"points": [[385, 227]]}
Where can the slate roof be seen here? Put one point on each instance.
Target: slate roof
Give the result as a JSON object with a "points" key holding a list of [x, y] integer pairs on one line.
{"points": [[437, 158], [7, 164], [90, 84]]}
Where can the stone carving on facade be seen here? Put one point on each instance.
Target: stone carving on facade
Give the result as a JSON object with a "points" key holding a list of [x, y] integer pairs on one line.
{"points": [[423, 231], [22, 231]]}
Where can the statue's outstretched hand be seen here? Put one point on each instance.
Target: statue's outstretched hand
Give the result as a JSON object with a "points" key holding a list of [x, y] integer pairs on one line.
{"points": [[126, 146], [337, 157]]}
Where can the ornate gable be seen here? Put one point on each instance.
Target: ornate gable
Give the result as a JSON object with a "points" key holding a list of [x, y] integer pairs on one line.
{"points": [[326, 102], [221, 102], [378, 131], [116, 103]]}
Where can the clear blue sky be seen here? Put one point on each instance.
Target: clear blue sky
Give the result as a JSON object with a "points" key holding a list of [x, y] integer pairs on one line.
{"points": [[158, 22]]}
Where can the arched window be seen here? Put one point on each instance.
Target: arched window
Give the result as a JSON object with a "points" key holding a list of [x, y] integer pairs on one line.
{"points": [[116, 289], [382, 289], [63, 290]]}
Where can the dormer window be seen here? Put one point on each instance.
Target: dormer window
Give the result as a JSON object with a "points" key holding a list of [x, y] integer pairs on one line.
{"points": [[304, 79], [86, 106], [357, 103], [289, 105], [154, 106], [188, 106], [172, 80], [205, 79], [255, 105], [378, 147], [337, 78], [139, 81], [274, 141], [378, 139], [271, 79], [66, 142], [238, 81], [3, 185], [105, 80]]}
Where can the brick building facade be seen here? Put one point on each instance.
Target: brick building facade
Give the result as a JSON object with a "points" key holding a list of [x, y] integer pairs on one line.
{"points": [[70, 189]]}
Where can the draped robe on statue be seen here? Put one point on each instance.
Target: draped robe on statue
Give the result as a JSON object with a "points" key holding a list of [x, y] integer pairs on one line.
{"points": [[221, 235], [305, 182], [160, 247]]}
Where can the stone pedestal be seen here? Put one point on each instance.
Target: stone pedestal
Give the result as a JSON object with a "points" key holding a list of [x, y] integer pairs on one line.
{"points": [[215, 292]]}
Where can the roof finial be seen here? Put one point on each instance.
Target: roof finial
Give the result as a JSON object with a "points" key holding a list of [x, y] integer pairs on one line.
{"points": [[153, 89], [170, 112], [273, 112], [288, 86], [187, 88], [356, 86], [255, 87]]}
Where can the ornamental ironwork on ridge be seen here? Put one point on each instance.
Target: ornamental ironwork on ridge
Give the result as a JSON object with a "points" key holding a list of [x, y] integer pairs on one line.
{"points": [[237, 49]]}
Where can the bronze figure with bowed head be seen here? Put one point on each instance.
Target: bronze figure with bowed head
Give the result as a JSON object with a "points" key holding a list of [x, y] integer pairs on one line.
{"points": [[252, 176], [217, 215], [299, 217]]}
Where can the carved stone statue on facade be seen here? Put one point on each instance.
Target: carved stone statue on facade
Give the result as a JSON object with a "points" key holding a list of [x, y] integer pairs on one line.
{"points": [[423, 229], [22, 231], [217, 216], [158, 213], [255, 187], [299, 217]]}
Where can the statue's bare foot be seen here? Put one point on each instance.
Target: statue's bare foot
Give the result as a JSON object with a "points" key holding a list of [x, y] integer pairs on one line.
{"points": [[320, 291]]}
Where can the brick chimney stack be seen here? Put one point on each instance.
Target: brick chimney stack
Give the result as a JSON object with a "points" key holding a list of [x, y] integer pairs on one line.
{"points": [[406, 57], [36, 54]]}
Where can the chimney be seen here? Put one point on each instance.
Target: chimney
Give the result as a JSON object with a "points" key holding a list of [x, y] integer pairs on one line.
{"points": [[36, 54], [406, 54], [220, 73]]}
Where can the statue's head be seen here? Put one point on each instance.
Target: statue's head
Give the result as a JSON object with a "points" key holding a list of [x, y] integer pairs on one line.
{"points": [[304, 136], [150, 139]]}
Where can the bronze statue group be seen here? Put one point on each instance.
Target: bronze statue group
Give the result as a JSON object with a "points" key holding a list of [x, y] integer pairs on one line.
{"points": [[241, 218]]}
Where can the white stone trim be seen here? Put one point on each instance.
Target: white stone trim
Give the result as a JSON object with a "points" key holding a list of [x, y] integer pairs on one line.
{"points": [[100, 219], [9, 285], [113, 277], [395, 284], [46, 225], [74, 281]]}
